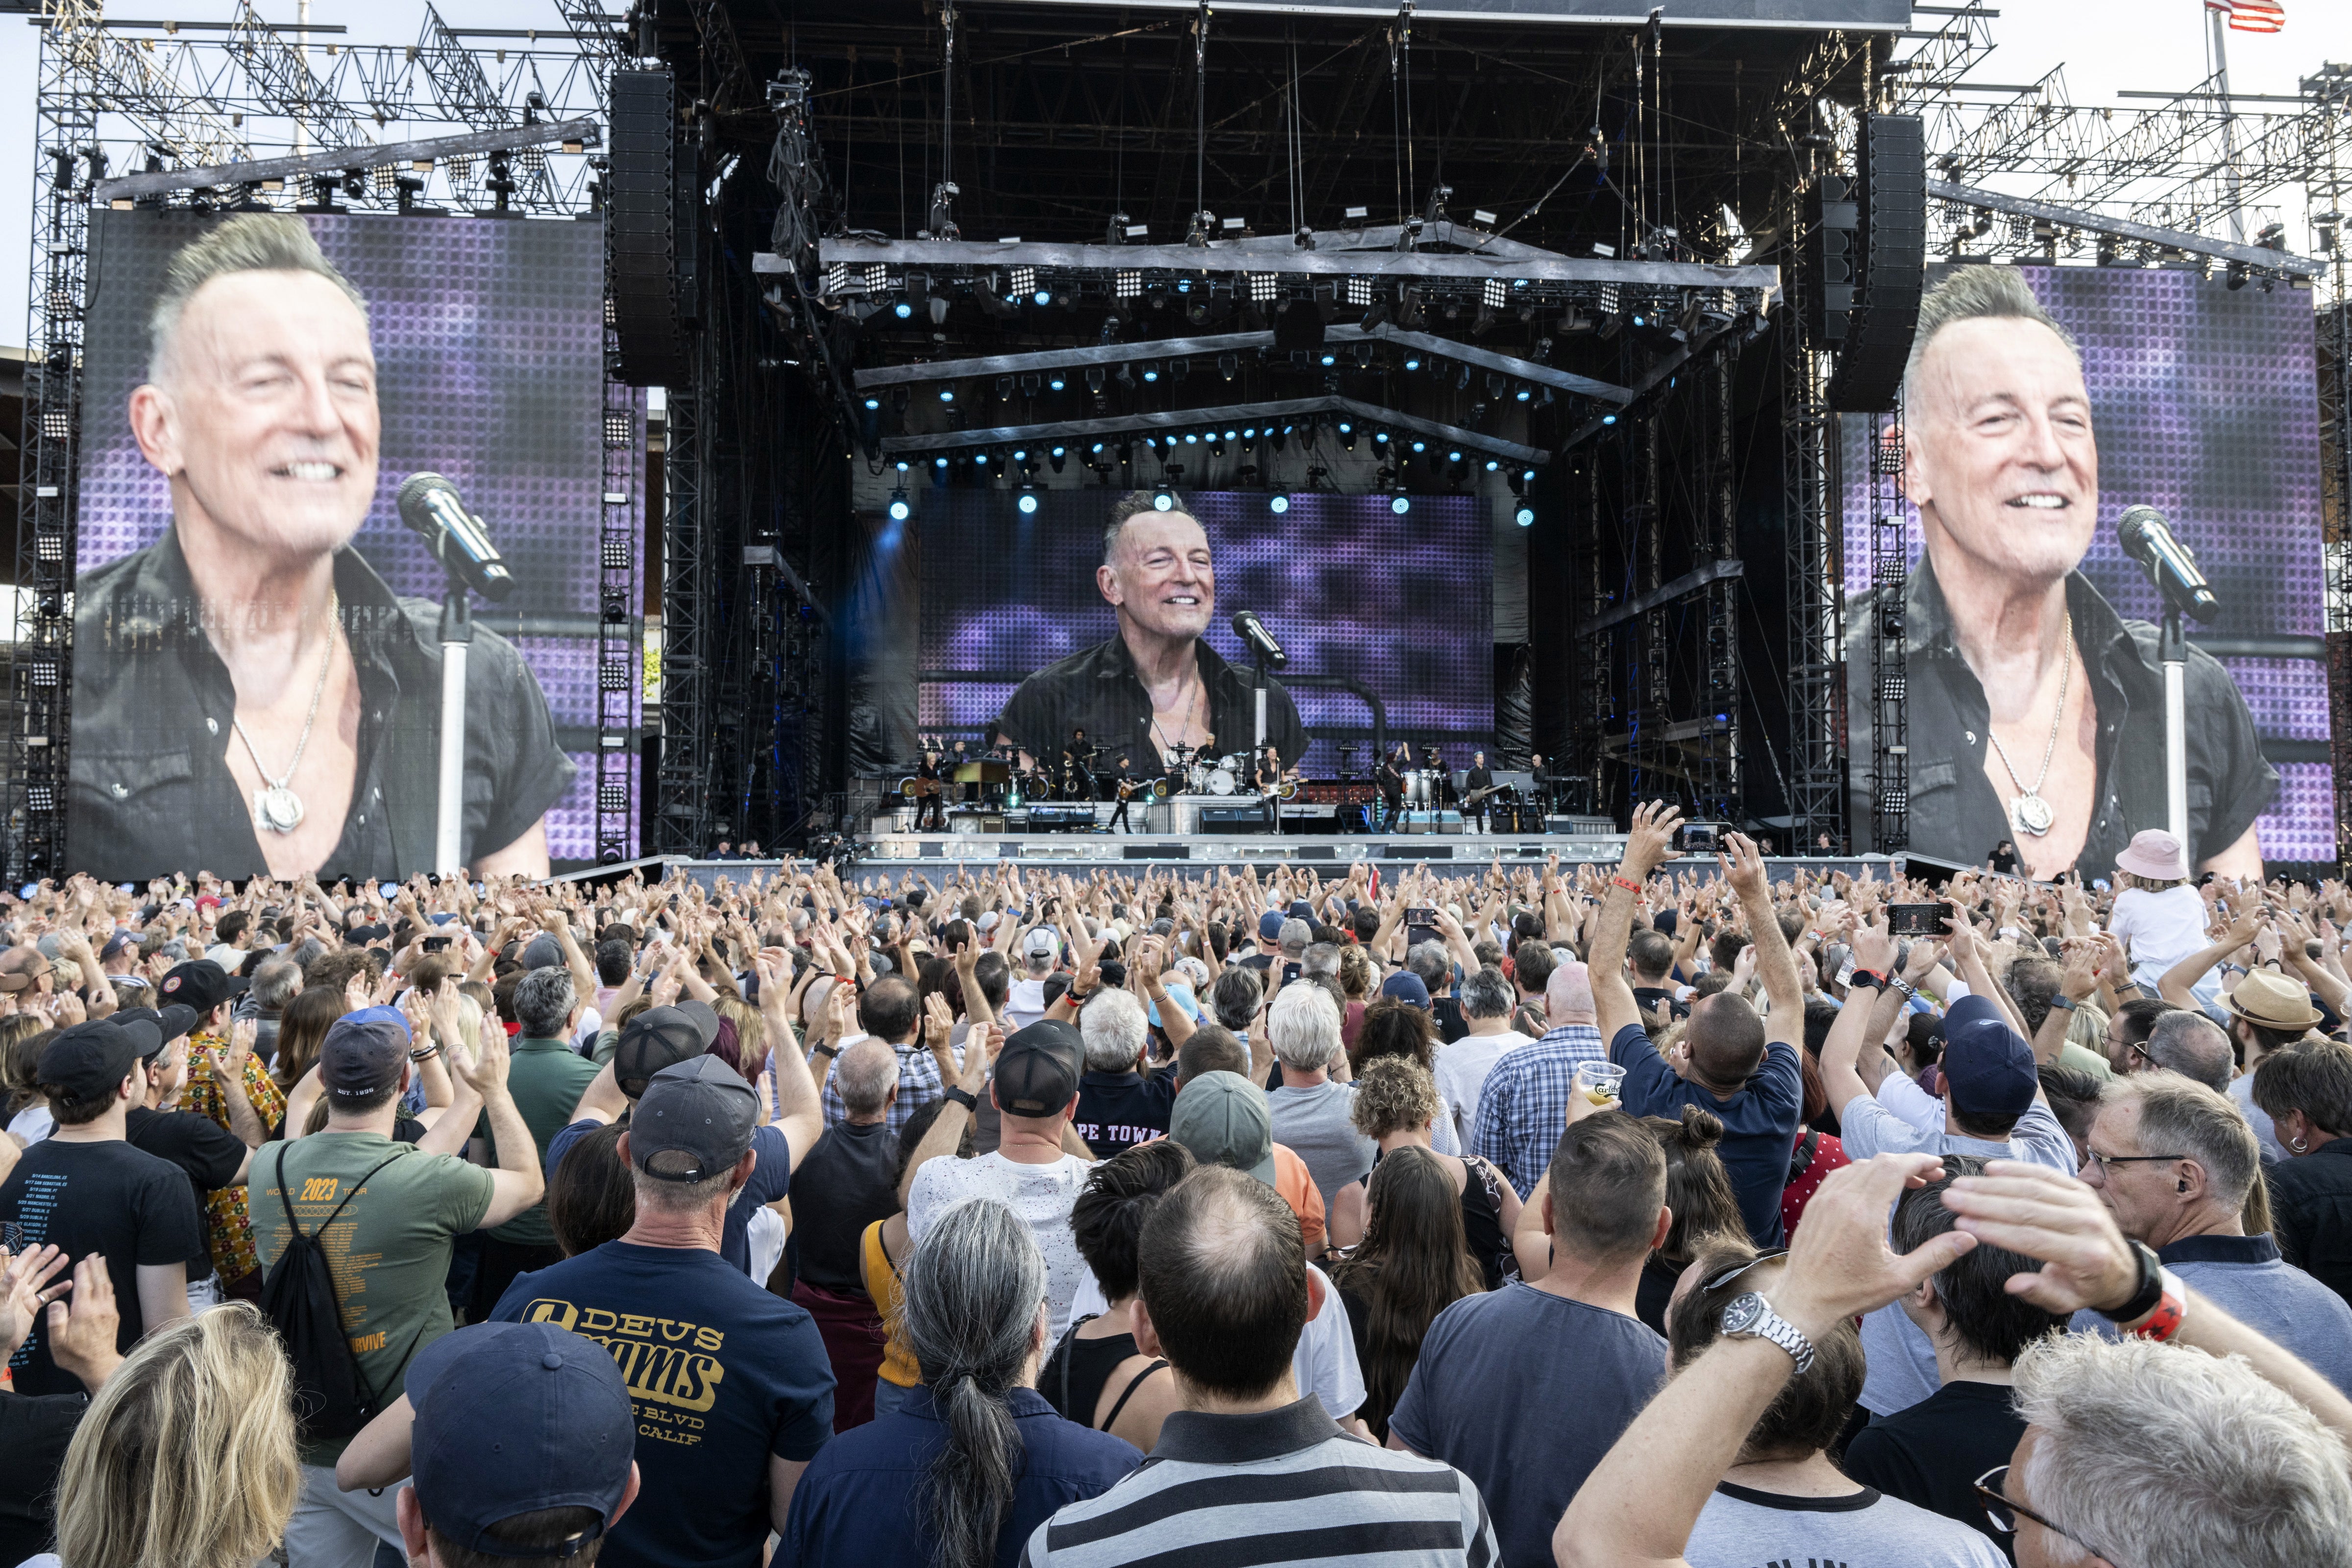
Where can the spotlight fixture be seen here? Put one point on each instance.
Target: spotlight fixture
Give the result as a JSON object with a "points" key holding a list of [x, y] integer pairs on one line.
{"points": [[1028, 501], [904, 310], [1095, 378], [1025, 281], [1057, 454], [1217, 446], [1227, 365], [1151, 370], [1177, 369], [1525, 516], [900, 507], [1163, 499], [1399, 504], [1055, 383], [1277, 504]]}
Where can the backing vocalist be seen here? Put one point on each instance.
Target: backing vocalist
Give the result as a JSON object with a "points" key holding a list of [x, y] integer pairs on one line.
{"points": [[250, 697], [1157, 683]]}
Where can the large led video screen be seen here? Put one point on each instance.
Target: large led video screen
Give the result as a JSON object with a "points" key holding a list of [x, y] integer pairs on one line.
{"points": [[2203, 404], [257, 646], [1366, 601]]}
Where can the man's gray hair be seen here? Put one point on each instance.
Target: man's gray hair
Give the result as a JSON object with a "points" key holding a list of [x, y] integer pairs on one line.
{"points": [[1432, 963], [680, 1198], [1975, 294], [1322, 958], [1113, 1027], [863, 1077], [250, 242], [969, 1301], [1305, 1028], [276, 982], [2178, 1115], [1296, 934], [542, 1003], [1235, 995], [2165, 1457], [2192, 1045], [1486, 994]]}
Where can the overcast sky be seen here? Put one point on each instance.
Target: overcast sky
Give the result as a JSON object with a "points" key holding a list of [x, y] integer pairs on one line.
{"points": [[2105, 45]]}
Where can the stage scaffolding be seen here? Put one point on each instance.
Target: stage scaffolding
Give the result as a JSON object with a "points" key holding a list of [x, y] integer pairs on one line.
{"points": [[153, 100]]}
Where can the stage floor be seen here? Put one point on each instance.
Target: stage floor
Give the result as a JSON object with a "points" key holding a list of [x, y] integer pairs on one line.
{"points": [[1211, 850]]}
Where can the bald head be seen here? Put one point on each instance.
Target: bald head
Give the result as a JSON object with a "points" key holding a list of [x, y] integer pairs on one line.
{"points": [[866, 1077], [1568, 995]]}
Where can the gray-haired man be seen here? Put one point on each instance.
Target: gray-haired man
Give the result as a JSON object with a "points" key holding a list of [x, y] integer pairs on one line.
{"points": [[248, 695]]}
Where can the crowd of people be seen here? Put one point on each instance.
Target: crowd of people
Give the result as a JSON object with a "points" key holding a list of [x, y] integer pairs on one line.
{"points": [[1668, 1212]]}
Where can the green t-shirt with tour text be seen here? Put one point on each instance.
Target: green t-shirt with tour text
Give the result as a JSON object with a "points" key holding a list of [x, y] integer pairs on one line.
{"points": [[388, 1251]]}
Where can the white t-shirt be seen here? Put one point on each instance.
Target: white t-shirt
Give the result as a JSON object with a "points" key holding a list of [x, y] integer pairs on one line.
{"points": [[1024, 1003], [1462, 1070], [2162, 927], [1739, 1528], [33, 1124], [1041, 1194], [1324, 1361]]}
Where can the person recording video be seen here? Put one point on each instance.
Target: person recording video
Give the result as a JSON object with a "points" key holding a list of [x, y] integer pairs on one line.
{"points": [[2035, 711], [248, 694], [1157, 682]]}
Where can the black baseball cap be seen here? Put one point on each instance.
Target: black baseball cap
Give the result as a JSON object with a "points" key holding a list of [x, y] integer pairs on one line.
{"points": [[90, 1059], [512, 1418], [1037, 1072], [363, 1052], [701, 1113], [200, 984], [171, 1022], [660, 1038]]}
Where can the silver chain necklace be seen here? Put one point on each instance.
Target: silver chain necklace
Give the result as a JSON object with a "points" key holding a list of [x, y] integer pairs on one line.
{"points": [[2030, 813], [276, 807]]}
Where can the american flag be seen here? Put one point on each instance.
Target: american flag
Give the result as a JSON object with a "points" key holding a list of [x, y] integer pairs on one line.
{"points": [[2252, 15]]}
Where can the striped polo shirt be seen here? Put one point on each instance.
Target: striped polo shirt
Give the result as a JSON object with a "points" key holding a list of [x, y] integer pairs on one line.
{"points": [[1280, 1487]]}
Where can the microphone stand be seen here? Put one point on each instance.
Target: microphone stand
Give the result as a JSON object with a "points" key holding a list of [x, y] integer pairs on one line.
{"points": [[457, 640], [1257, 738], [2172, 652]]}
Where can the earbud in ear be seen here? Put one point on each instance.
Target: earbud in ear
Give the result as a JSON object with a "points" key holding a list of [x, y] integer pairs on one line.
{"points": [[2184, 1183]]}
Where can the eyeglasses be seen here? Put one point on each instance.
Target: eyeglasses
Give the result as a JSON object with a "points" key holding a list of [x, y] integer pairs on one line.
{"points": [[1728, 1275], [2003, 1513], [2103, 1161]]}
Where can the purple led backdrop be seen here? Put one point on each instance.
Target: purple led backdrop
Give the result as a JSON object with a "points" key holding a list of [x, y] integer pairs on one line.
{"points": [[488, 339], [2205, 405], [1403, 605]]}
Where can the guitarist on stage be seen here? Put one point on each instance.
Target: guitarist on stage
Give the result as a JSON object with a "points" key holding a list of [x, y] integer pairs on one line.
{"points": [[1477, 786], [932, 801], [1128, 787]]}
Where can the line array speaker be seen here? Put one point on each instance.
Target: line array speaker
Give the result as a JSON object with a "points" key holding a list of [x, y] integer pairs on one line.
{"points": [[1892, 196], [653, 211]]}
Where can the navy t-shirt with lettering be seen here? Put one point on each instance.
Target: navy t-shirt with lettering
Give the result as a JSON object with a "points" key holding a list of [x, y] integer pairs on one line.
{"points": [[722, 1375], [1117, 1110]]}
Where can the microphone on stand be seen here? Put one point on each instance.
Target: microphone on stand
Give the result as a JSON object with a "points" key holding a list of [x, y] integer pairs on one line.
{"points": [[430, 505], [2147, 538], [1258, 640]]}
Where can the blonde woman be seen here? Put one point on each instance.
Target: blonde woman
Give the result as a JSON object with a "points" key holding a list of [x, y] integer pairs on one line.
{"points": [[185, 1459]]}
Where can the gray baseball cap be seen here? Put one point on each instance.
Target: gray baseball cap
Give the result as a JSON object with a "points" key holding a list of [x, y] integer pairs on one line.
{"points": [[695, 1121]]}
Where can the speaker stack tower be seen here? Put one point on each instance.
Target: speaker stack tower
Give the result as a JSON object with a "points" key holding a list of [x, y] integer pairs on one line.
{"points": [[653, 213], [1891, 246]]}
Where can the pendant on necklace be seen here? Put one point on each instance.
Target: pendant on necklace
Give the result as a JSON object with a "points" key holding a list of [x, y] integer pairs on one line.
{"points": [[278, 808], [2031, 813]]}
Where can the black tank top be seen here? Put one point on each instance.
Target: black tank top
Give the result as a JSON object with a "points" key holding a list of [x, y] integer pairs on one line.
{"points": [[1073, 1377]]}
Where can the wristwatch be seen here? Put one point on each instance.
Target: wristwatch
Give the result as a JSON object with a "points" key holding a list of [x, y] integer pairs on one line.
{"points": [[1751, 1317], [2065, 1001], [963, 1097], [2147, 1293], [827, 1051]]}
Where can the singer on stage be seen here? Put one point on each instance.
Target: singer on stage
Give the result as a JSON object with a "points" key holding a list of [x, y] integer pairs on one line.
{"points": [[1157, 683], [2035, 713], [248, 695]]}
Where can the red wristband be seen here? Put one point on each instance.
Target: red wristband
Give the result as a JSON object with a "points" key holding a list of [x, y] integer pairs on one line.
{"points": [[2163, 1319], [1625, 882]]}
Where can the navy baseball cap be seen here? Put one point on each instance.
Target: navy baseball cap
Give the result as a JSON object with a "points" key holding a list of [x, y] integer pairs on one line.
{"points": [[701, 1114], [1037, 1072], [363, 1052], [1406, 986], [512, 1418], [1269, 926], [544, 953], [1988, 1070]]}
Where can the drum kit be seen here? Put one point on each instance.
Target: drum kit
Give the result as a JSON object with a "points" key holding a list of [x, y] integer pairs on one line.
{"points": [[1198, 770]]}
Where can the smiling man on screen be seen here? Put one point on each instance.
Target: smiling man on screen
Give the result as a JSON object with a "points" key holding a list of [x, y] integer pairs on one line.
{"points": [[1157, 683], [2036, 712], [248, 695]]}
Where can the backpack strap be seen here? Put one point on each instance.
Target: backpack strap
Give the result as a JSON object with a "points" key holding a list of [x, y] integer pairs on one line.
{"points": [[1801, 1158], [375, 1396]]}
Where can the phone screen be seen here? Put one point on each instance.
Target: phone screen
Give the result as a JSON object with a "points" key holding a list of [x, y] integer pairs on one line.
{"points": [[1420, 926]]}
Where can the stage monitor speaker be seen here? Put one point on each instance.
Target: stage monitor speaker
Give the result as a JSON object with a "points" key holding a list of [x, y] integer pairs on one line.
{"points": [[1892, 198], [652, 213], [1233, 819]]}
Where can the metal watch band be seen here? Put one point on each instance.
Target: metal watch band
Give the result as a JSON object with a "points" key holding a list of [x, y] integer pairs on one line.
{"points": [[1769, 1325]]}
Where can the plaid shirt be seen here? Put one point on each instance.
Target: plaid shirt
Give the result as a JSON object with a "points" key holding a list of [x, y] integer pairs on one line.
{"points": [[232, 1234], [1523, 1109], [918, 1085]]}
